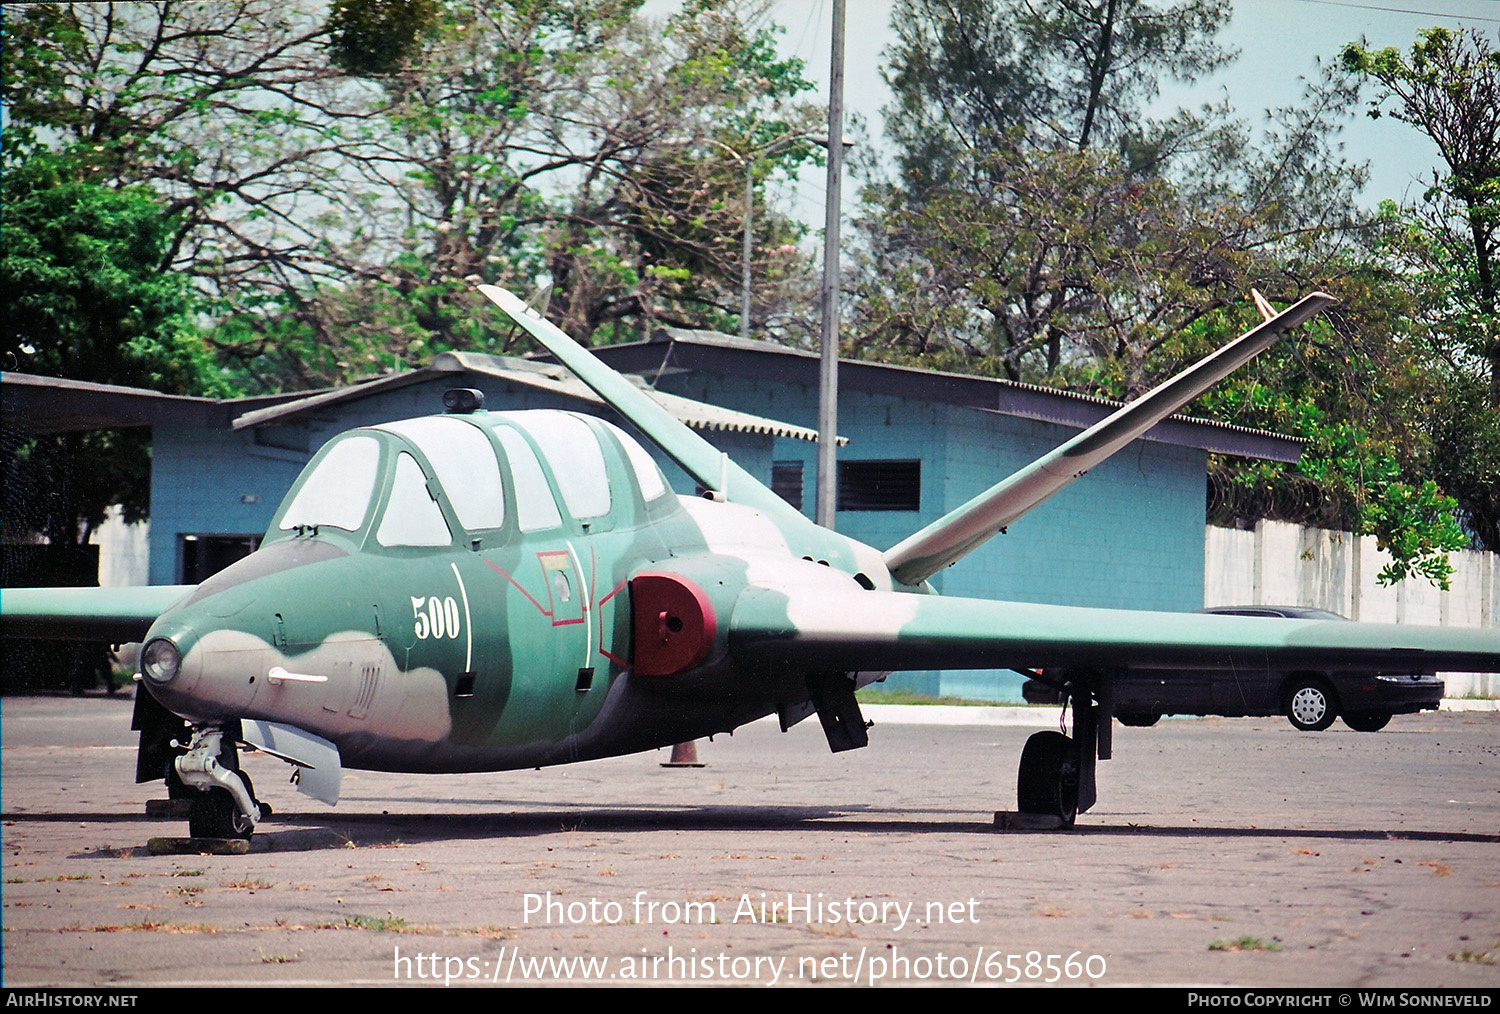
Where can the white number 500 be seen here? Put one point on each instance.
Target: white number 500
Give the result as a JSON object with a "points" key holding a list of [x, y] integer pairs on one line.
{"points": [[439, 619]]}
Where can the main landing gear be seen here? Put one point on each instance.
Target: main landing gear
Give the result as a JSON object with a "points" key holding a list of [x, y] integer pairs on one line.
{"points": [[1056, 777], [1048, 781]]}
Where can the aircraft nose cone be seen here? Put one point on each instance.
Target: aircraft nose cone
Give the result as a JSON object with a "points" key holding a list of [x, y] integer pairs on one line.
{"points": [[202, 675]]}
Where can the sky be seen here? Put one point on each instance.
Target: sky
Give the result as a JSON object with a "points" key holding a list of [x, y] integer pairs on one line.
{"points": [[1279, 41]]}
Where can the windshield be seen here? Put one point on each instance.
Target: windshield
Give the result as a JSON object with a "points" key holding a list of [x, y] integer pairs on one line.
{"points": [[577, 463], [338, 490]]}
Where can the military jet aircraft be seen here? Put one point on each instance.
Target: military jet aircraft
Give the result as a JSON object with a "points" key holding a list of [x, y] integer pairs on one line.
{"points": [[482, 591]]}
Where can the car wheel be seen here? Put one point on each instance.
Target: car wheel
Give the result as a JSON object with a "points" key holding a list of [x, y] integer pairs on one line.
{"points": [[1138, 719], [1367, 721], [1311, 705], [1048, 782]]}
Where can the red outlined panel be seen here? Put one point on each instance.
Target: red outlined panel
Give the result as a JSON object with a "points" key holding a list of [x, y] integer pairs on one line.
{"points": [[552, 562], [603, 627]]}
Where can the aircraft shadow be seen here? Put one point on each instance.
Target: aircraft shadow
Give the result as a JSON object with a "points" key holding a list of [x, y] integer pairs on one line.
{"points": [[311, 832]]}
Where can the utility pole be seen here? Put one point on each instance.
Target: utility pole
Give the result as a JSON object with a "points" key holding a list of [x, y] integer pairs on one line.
{"points": [[747, 163], [828, 374]]}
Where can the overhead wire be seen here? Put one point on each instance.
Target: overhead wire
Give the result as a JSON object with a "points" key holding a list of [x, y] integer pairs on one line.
{"points": [[1399, 10]]}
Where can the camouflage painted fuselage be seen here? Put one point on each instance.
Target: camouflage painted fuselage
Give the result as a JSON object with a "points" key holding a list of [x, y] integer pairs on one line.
{"points": [[502, 648]]}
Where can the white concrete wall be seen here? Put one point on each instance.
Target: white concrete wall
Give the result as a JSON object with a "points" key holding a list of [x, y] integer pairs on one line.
{"points": [[1285, 564], [124, 551]]}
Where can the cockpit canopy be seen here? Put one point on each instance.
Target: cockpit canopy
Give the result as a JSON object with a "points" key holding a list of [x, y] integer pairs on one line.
{"points": [[482, 477]]}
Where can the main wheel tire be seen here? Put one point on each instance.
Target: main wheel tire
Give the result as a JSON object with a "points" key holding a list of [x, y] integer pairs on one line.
{"points": [[213, 814], [1138, 720], [1048, 780], [1367, 721], [1311, 705]]}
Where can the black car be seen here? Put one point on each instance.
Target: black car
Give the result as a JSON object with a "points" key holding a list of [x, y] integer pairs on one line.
{"points": [[1310, 700]]}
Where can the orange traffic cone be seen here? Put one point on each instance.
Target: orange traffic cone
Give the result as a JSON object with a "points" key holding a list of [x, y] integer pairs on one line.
{"points": [[684, 755]]}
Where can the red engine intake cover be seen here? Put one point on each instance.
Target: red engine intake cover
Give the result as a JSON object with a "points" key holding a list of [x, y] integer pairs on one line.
{"points": [[673, 623]]}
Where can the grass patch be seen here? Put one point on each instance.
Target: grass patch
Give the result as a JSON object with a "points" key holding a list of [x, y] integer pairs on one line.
{"points": [[145, 926], [872, 696], [1244, 944], [378, 924]]}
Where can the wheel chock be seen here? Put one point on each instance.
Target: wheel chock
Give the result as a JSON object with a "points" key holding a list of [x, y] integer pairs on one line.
{"points": [[1009, 820], [197, 846]]}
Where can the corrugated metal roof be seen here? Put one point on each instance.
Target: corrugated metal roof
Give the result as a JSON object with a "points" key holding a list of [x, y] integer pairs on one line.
{"points": [[538, 376], [674, 351], [37, 405]]}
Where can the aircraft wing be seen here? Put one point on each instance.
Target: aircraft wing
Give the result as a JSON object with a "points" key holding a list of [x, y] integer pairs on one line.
{"points": [[957, 533], [116, 615], [869, 631]]}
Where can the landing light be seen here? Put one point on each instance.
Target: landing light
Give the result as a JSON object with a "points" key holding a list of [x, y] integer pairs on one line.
{"points": [[160, 661]]}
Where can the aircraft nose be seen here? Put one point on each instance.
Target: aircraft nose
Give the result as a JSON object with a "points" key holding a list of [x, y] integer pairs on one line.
{"points": [[201, 674]]}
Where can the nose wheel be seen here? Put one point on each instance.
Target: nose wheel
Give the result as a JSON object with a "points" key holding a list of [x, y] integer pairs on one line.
{"points": [[214, 814], [221, 800]]}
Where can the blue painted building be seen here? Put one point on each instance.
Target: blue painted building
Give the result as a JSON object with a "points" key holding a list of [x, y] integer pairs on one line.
{"points": [[1129, 535], [215, 487]]}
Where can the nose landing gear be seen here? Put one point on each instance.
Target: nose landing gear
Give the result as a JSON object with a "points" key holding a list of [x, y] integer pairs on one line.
{"points": [[222, 803]]}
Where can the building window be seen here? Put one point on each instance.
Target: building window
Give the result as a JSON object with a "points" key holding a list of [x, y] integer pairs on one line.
{"points": [[786, 481], [880, 485], [203, 556]]}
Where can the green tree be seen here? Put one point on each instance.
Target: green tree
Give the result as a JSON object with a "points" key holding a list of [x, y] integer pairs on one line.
{"points": [[1042, 230], [84, 291], [588, 144], [970, 76], [1054, 236], [230, 112], [1432, 264], [85, 297], [1450, 91], [1445, 249], [375, 37], [340, 175]]}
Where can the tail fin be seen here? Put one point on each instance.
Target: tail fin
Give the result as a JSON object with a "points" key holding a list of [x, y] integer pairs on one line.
{"points": [[700, 459], [959, 532]]}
